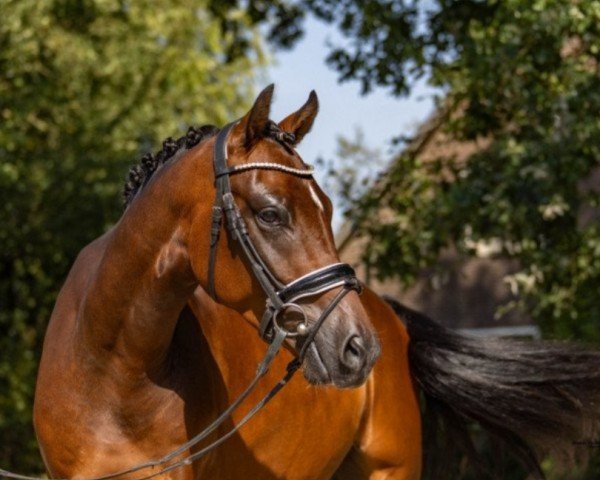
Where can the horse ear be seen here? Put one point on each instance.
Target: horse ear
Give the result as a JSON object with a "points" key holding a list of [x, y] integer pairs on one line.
{"points": [[300, 122], [254, 123]]}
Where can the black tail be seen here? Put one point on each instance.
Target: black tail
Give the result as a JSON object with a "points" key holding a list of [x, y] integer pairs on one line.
{"points": [[533, 396]]}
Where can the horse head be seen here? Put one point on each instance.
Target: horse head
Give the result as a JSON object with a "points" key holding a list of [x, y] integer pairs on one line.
{"points": [[285, 249]]}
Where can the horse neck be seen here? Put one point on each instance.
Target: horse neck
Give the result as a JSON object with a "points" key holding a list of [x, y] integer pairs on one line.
{"points": [[144, 277], [232, 338]]}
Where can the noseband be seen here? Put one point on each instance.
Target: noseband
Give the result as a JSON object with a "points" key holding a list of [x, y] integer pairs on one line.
{"points": [[280, 298]]}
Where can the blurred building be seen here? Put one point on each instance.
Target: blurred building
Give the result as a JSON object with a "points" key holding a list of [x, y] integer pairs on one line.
{"points": [[460, 292]]}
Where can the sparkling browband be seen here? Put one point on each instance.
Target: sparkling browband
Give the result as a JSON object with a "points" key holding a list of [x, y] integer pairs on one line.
{"points": [[307, 172]]}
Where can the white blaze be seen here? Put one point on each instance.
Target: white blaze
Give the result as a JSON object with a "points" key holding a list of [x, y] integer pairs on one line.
{"points": [[315, 197]]}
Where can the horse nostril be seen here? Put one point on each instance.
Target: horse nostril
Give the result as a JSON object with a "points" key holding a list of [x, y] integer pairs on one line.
{"points": [[354, 353], [355, 346]]}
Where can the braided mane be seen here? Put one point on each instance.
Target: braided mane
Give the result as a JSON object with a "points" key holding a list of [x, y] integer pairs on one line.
{"points": [[141, 173]]}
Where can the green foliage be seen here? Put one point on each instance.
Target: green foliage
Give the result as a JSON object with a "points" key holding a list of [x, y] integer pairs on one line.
{"points": [[85, 86], [350, 179], [384, 46], [528, 79]]}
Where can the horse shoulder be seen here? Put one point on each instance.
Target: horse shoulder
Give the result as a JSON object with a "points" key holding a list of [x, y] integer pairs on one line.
{"points": [[84, 423], [60, 338], [57, 411]]}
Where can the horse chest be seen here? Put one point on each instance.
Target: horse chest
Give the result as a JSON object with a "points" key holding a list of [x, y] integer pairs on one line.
{"points": [[304, 434]]}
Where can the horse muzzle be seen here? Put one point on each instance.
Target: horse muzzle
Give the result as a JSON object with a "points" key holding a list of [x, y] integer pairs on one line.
{"points": [[343, 357]]}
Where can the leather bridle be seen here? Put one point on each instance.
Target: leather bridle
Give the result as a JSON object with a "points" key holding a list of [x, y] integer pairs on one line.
{"points": [[280, 298]]}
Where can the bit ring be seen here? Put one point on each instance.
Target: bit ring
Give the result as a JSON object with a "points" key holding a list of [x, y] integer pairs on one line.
{"points": [[302, 326]]}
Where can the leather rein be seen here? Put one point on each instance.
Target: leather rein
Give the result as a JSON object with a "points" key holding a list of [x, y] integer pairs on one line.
{"points": [[280, 298]]}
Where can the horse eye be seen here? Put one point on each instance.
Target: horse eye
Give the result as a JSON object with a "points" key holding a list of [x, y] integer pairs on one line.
{"points": [[270, 216]]}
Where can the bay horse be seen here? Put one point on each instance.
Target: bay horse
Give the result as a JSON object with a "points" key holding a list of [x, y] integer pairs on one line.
{"points": [[154, 335]]}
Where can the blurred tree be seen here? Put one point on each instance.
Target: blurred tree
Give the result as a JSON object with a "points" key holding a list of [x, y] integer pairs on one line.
{"points": [[86, 85], [523, 73], [349, 179], [524, 76]]}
